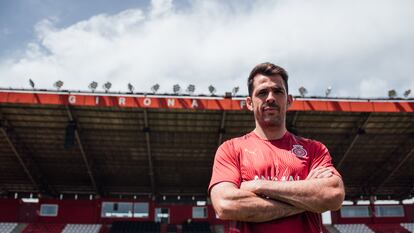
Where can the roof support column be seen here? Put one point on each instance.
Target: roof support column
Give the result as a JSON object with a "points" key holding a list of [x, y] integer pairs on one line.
{"points": [[396, 168], [84, 155], [25, 160], [360, 130], [149, 154], [222, 130]]}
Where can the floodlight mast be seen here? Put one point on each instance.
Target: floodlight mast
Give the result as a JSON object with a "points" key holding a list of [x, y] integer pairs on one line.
{"points": [[235, 90], [392, 94], [190, 89], [303, 91], [92, 86], [32, 84], [211, 89], [107, 86], [155, 88], [131, 88], [328, 91], [58, 84], [407, 93], [176, 89]]}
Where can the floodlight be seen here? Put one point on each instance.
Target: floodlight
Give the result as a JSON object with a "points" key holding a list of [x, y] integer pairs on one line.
{"points": [[93, 85], [328, 91], [190, 89], [107, 86], [392, 94], [303, 91], [176, 89], [155, 88], [131, 88], [407, 93], [211, 89], [32, 84], [58, 84], [235, 90]]}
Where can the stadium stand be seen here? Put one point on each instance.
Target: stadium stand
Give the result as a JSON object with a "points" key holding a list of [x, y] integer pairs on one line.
{"points": [[44, 227], [387, 228], [82, 228], [129, 227], [196, 227], [353, 228], [408, 226], [7, 227]]}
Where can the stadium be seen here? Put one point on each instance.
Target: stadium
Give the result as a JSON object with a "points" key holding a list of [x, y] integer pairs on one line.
{"points": [[141, 162]]}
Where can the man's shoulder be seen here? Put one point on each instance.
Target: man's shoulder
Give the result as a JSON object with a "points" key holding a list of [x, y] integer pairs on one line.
{"points": [[237, 142], [241, 139]]}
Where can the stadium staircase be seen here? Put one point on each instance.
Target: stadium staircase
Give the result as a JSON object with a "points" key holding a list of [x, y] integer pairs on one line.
{"points": [[408, 226], [82, 228], [7, 227], [43, 228], [353, 228]]}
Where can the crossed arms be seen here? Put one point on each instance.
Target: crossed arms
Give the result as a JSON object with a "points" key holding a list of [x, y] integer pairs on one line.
{"points": [[262, 200]]}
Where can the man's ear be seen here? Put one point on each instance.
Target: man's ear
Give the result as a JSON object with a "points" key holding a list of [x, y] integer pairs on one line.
{"points": [[289, 101], [249, 103]]}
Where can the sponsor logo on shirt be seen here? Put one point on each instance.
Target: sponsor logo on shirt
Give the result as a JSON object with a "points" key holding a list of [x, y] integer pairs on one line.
{"points": [[299, 151]]}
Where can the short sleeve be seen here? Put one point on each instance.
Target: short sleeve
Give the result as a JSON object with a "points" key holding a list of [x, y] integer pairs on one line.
{"points": [[226, 167], [322, 158]]}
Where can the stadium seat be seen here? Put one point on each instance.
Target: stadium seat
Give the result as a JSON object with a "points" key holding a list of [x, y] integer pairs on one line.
{"points": [[353, 228], [82, 228], [7, 227]]}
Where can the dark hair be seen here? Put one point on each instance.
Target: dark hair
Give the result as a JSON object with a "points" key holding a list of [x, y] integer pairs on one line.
{"points": [[267, 69]]}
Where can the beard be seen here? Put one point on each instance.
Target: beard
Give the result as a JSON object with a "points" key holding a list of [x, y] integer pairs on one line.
{"points": [[267, 119]]}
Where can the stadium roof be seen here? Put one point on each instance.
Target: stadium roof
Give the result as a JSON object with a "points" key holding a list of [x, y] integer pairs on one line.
{"points": [[159, 144]]}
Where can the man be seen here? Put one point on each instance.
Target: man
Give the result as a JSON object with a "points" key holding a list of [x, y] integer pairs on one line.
{"points": [[270, 180]]}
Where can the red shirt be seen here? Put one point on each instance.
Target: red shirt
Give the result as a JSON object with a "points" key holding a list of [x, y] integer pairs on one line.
{"points": [[290, 158]]}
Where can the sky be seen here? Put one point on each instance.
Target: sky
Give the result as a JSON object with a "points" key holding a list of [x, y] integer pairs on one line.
{"points": [[361, 49]]}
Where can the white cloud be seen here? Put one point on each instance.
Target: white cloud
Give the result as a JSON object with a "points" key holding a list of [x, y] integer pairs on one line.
{"points": [[361, 49]]}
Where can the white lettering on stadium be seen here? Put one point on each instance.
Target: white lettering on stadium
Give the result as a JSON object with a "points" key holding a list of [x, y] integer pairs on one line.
{"points": [[122, 101], [147, 101], [194, 104], [170, 102], [242, 104], [72, 99]]}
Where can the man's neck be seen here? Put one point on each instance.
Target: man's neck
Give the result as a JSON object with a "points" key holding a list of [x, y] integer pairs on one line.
{"points": [[270, 133]]}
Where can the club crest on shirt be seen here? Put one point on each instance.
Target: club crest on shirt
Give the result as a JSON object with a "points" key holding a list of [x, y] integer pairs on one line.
{"points": [[299, 151]]}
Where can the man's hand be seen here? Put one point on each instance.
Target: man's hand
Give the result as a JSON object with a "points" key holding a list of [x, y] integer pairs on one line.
{"points": [[232, 203], [320, 191], [319, 172]]}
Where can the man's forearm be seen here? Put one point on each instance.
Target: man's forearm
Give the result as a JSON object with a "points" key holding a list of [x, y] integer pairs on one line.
{"points": [[241, 205], [316, 195]]}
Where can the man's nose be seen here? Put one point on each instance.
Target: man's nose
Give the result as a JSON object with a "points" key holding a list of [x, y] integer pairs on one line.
{"points": [[270, 97]]}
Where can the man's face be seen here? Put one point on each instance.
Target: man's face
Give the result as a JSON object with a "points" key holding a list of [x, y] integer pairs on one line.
{"points": [[269, 101]]}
